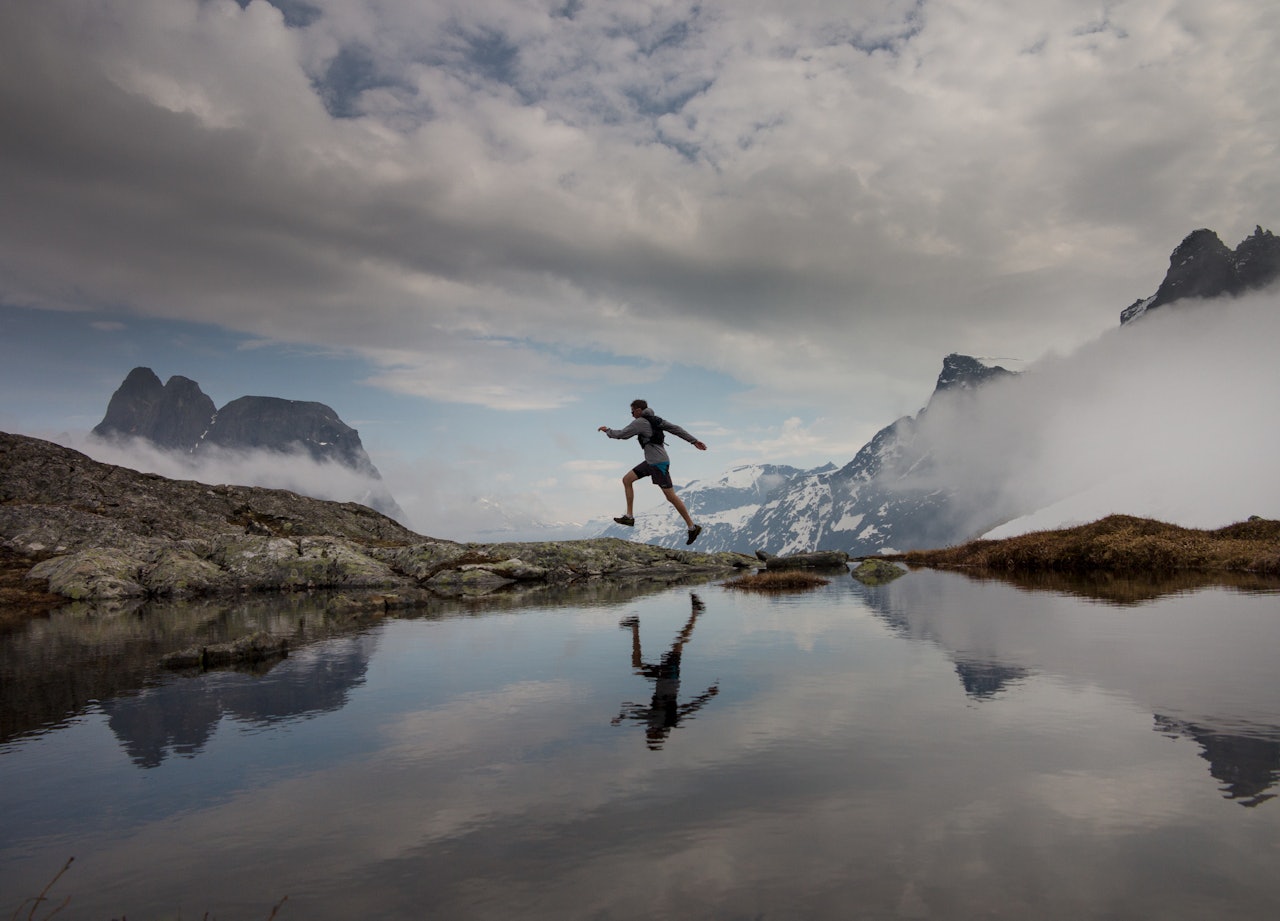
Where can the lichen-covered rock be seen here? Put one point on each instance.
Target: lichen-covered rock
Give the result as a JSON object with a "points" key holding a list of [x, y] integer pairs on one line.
{"points": [[877, 572], [247, 650], [469, 580], [101, 574], [180, 571]]}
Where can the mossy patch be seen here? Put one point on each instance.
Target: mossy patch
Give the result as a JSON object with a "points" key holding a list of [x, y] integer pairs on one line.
{"points": [[1120, 543], [785, 581]]}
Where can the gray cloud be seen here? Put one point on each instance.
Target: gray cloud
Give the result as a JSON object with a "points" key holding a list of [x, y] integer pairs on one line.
{"points": [[725, 184]]}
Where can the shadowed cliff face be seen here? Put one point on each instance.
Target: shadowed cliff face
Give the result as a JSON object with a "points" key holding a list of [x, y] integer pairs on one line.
{"points": [[284, 425], [1203, 267], [174, 415]]}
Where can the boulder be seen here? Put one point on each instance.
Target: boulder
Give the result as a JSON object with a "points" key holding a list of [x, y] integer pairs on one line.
{"points": [[877, 572]]}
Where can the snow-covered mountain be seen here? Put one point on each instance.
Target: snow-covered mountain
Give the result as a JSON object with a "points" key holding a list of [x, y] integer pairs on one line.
{"points": [[723, 507], [494, 522], [888, 497]]}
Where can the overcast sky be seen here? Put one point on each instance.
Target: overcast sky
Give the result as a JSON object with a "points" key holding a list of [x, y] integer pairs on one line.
{"points": [[478, 228]]}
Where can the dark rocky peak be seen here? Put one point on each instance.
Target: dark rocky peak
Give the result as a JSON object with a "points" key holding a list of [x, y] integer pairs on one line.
{"points": [[1203, 267], [173, 415], [277, 424], [961, 372], [1257, 259]]}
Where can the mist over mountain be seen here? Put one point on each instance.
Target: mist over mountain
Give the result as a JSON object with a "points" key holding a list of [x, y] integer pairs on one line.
{"points": [[174, 429], [1171, 418]]}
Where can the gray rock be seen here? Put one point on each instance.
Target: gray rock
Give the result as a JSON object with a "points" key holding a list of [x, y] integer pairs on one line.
{"points": [[877, 572]]}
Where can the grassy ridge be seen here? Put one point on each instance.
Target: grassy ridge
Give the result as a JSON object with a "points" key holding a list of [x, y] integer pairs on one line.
{"points": [[1120, 544]]}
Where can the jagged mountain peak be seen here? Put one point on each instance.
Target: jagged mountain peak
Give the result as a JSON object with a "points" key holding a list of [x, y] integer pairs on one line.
{"points": [[1202, 266], [964, 372], [172, 415]]}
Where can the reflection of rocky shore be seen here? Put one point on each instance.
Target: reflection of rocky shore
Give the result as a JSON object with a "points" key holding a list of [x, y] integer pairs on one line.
{"points": [[180, 715], [1134, 588], [56, 665], [53, 667]]}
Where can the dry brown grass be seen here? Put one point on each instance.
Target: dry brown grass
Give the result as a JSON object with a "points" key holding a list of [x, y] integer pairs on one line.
{"points": [[1120, 544], [790, 580]]}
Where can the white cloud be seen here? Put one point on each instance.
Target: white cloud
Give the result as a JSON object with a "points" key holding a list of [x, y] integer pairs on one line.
{"points": [[1164, 418]]}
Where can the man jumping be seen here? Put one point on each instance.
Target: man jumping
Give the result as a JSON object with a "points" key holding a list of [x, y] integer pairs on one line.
{"points": [[649, 430]]}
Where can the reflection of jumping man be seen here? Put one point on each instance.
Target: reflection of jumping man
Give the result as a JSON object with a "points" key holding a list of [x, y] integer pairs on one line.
{"points": [[664, 712]]}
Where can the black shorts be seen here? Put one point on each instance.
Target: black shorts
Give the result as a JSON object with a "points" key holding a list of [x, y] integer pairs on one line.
{"points": [[661, 473]]}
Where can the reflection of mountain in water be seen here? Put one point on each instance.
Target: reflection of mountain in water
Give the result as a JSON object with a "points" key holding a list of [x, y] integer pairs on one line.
{"points": [[982, 677], [1207, 654], [1247, 766], [987, 679], [179, 717]]}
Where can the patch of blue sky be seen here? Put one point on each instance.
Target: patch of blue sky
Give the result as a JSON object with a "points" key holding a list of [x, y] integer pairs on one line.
{"points": [[569, 10], [667, 99], [674, 35], [298, 14], [95, 350], [490, 54], [348, 74]]}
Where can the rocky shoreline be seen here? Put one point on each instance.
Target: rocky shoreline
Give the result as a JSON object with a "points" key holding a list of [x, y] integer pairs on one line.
{"points": [[74, 529]]}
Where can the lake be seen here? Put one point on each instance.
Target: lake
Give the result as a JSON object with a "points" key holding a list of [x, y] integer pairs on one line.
{"points": [[938, 747]]}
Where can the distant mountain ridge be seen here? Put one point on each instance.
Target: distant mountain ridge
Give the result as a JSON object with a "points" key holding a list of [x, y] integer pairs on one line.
{"points": [[887, 497], [898, 492], [178, 416]]}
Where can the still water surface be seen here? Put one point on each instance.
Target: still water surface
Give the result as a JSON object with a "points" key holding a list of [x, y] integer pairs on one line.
{"points": [[934, 748]]}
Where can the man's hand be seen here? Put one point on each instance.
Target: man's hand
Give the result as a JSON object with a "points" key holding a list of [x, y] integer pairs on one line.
{"points": [[700, 446], [603, 428]]}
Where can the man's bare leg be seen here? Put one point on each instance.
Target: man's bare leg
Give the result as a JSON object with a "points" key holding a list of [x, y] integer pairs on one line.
{"points": [[628, 487], [676, 501]]}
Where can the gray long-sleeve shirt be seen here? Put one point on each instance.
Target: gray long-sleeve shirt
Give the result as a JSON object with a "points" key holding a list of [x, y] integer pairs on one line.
{"points": [[653, 453]]}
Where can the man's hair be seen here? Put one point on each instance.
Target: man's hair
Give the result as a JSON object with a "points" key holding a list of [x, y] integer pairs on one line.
{"points": [[639, 404]]}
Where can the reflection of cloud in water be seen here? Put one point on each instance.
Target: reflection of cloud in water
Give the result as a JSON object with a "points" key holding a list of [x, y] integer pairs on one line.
{"points": [[179, 716]]}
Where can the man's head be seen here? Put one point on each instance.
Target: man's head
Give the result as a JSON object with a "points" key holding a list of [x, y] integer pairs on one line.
{"points": [[638, 407]]}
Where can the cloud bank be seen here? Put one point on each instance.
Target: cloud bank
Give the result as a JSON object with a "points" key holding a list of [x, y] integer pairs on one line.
{"points": [[506, 203], [295, 471], [1170, 417]]}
